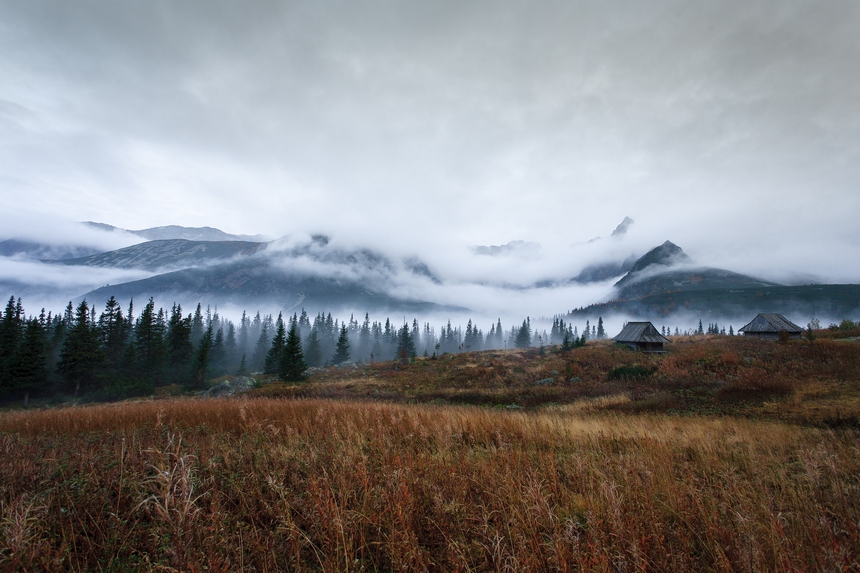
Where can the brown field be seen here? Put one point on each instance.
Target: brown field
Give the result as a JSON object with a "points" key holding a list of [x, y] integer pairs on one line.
{"points": [[730, 456]]}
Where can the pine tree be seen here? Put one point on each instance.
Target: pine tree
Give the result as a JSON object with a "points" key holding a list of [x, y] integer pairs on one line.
{"points": [[405, 348], [149, 340], [202, 361], [197, 328], [273, 358], [11, 333], [258, 358], [180, 350], [81, 356], [114, 334], [314, 354], [364, 340], [231, 348], [292, 366], [218, 352], [601, 334], [376, 349], [29, 370], [243, 340], [341, 353], [567, 341], [523, 338]]}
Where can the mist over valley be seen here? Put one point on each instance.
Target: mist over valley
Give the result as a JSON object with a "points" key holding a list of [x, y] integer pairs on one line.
{"points": [[617, 278]]}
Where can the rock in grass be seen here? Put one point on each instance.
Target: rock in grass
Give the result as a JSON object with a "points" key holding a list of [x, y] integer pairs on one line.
{"points": [[230, 387], [544, 381]]}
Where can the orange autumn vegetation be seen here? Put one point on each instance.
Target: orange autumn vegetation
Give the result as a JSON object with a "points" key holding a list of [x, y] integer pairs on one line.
{"points": [[768, 481]]}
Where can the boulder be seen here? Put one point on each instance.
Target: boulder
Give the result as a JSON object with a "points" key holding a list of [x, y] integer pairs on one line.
{"points": [[230, 387]]}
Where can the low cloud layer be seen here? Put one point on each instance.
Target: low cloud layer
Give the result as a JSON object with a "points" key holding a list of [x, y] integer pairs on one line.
{"points": [[424, 129]]}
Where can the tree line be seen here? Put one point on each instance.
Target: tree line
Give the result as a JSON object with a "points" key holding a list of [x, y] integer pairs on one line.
{"points": [[115, 353]]}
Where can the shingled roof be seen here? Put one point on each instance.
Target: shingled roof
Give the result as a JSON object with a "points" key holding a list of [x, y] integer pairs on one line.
{"points": [[770, 323], [640, 332]]}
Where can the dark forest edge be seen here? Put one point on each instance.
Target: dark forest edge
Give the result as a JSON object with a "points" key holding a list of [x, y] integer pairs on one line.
{"points": [[114, 355]]}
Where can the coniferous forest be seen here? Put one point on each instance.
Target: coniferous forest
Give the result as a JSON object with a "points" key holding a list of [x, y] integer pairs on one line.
{"points": [[120, 351]]}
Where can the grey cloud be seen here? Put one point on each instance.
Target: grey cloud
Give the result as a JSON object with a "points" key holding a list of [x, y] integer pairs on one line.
{"points": [[421, 128]]}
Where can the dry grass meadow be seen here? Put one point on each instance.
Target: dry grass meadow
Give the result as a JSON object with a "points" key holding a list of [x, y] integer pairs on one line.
{"points": [[722, 455]]}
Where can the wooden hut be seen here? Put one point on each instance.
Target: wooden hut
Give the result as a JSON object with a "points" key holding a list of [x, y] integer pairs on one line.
{"points": [[641, 336], [769, 326]]}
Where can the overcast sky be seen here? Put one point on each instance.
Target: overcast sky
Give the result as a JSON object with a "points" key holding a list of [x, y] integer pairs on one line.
{"points": [[730, 127]]}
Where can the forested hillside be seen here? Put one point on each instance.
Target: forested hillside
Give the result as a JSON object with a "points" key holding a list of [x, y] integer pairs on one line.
{"points": [[118, 352]]}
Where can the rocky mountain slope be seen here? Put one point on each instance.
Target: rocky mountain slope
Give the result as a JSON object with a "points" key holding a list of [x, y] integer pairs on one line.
{"points": [[668, 268], [178, 232], [171, 254]]}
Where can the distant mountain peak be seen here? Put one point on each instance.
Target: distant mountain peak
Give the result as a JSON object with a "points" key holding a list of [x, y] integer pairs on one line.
{"points": [[622, 227], [667, 254], [667, 268], [511, 247], [169, 232]]}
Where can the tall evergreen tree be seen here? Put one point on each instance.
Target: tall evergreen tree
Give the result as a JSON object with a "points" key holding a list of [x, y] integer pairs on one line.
{"points": [[218, 352], [258, 358], [601, 333], [364, 340], [81, 356], [341, 352], [405, 348], [243, 337], [314, 354], [11, 333], [180, 350], [114, 335], [292, 366], [149, 342], [231, 347], [197, 326], [273, 358], [524, 336], [30, 372], [202, 361]]}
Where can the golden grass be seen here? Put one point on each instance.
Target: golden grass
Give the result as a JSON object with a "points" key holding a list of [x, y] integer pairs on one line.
{"points": [[318, 485]]}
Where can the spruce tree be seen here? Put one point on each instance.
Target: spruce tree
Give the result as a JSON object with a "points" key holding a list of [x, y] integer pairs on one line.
{"points": [[81, 356], [231, 347], [405, 348], [11, 332], [258, 358], [114, 334], [197, 328], [601, 334], [149, 339], [524, 336], [218, 352], [202, 361], [341, 352], [180, 350], [29, 370], [273, 358], [567, 341], [314, 353], [292, 366]]}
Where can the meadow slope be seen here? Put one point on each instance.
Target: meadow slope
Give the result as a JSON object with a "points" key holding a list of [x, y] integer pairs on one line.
{"points": [[723, 455]]}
